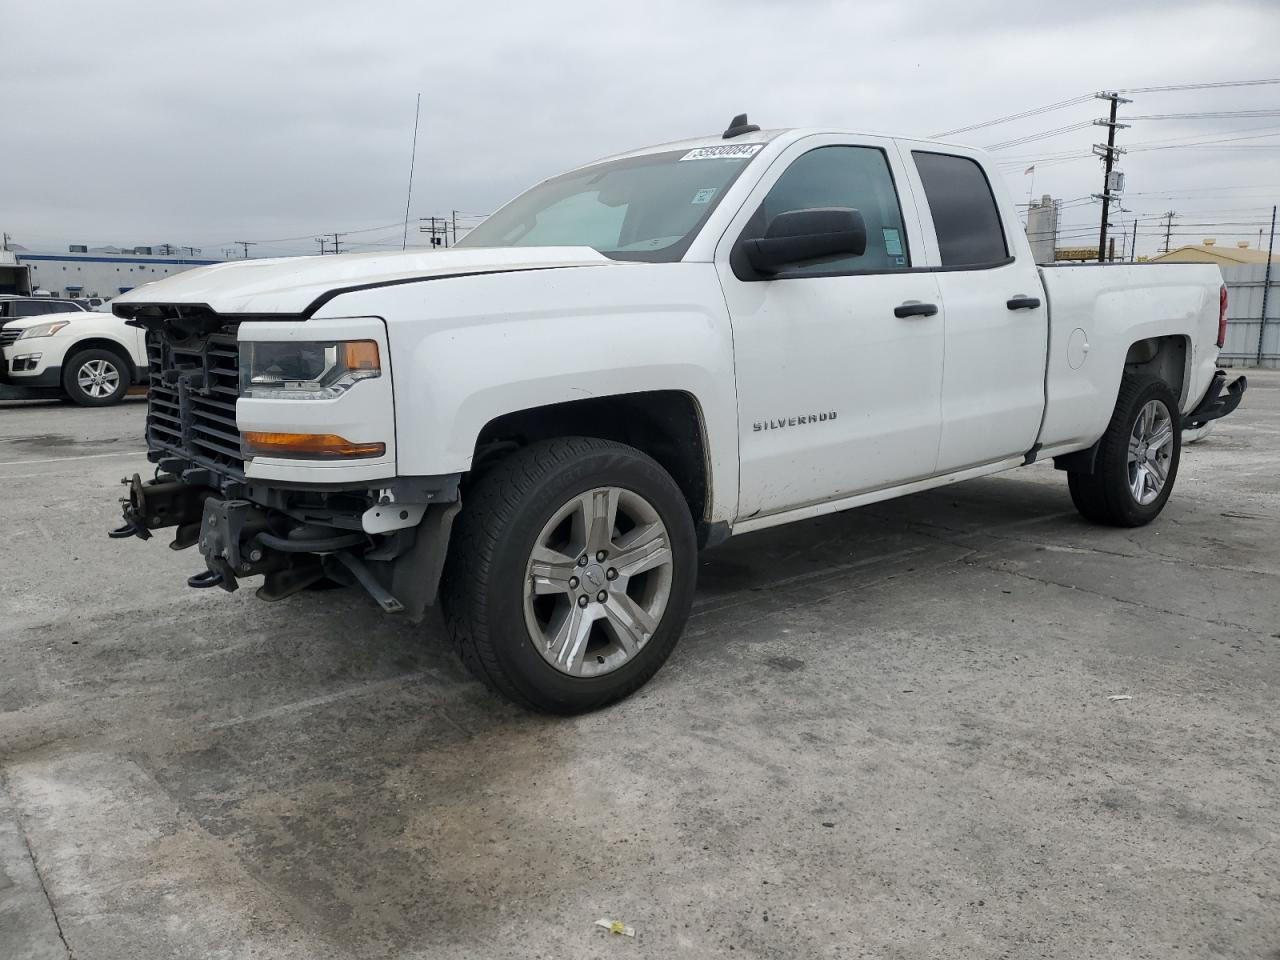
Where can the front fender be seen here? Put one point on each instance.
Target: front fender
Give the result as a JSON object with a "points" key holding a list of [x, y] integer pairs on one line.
{"points": [[467, 350]]}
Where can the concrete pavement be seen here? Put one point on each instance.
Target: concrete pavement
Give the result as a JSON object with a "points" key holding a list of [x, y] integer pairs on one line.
{"points": [[887, 733]]}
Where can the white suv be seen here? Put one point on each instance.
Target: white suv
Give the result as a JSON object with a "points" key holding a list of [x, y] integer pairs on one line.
{"points": [[91, 357]]}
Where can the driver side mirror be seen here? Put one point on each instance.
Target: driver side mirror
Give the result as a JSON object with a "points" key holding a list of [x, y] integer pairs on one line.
{"points": [[797, 236]]}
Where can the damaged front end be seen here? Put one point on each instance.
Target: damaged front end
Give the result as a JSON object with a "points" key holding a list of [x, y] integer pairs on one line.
{"points": [[387, 535], [296, 538]]}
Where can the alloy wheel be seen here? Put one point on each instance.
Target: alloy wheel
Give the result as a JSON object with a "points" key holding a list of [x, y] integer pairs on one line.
{"points": [[597, 581], [98, 378], [1150, 452]]}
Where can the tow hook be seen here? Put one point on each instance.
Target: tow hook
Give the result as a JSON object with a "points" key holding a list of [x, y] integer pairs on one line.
{"points": [[226, 539], [151, 504], [134, 524], [205, 578], [130, 528]]}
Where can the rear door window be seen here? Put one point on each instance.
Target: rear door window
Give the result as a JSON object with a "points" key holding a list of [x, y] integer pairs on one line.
{"points": [[965, 215]]}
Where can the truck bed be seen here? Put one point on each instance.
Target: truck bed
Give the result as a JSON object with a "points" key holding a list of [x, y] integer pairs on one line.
{"points": [[1094, 317]]}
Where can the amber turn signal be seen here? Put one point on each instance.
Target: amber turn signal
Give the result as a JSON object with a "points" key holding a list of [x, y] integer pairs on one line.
{"points": [[360, 355], [309, 446]]}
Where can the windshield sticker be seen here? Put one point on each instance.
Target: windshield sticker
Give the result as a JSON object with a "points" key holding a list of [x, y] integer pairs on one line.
{"points": [[704, 195], [736, 151], [892, 242]]}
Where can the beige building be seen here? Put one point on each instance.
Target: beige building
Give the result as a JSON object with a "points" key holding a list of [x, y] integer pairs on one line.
{"points": [[1210, 252]]}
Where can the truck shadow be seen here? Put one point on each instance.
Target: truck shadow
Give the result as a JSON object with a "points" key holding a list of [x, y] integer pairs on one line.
{"points": [[874, 535]]}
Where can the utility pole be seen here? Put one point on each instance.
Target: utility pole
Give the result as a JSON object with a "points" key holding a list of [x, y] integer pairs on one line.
{"points": [[436, 231], [1168, 228], [337, 247], [4, 243], [322, 241], [455, 228], [1133, 248], [1108, 154], [1266, 285], [245, 245]]}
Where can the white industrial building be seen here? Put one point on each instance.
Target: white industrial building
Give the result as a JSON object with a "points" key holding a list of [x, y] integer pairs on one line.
{"points": [[97, 272], [1042, 228]]}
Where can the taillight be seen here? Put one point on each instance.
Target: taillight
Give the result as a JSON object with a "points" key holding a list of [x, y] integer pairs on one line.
{"points": [[1222, 315]]}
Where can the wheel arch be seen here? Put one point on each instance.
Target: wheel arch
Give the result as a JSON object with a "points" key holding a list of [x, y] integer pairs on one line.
{"points": [[1164, 357], [668, 425], [112, 346]]}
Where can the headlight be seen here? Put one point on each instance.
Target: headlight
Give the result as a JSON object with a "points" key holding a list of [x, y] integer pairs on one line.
{"points": [[42, 330], [306, 370]]}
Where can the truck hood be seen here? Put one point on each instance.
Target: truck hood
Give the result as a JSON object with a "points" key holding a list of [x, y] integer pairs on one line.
{"points": [[298, 285]]}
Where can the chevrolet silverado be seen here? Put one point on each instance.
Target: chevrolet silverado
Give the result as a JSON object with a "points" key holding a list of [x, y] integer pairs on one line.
{"points": [[641, 357]]}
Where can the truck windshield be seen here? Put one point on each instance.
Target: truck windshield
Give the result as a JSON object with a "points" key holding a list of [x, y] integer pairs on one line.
{"points": [[641, 208]]}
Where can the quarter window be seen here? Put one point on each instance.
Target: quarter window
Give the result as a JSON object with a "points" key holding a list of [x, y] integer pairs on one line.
{"points": [[856, 177], [965, 215]]}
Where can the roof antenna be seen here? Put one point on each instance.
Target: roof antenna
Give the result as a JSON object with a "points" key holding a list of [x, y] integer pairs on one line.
{"points": [[738, 126]]}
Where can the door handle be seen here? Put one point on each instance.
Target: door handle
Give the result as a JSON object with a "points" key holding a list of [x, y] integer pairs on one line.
{"points": [[1022, 303], [914, 308]]}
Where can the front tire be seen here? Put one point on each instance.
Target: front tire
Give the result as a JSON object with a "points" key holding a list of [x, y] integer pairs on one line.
{"points": [[571, 573], [1137, 459], [95, 378]]}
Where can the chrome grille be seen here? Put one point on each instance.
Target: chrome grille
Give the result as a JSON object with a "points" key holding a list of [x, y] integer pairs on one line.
{"points": [[9, 337], [191, 399]]}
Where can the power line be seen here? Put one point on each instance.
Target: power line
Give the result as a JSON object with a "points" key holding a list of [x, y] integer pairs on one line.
{"points": [[311, 236], [1189, 191], [1034, 111], [1043, 135], [1209, 115], [1200, 139], [1061, 104], [1199, 86]]}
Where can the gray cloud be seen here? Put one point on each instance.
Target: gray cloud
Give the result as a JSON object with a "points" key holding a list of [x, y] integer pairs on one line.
{"points": [[208, 123]]}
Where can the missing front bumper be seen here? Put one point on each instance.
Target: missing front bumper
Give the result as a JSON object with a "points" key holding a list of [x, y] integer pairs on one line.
{"points": [[293, 548]]}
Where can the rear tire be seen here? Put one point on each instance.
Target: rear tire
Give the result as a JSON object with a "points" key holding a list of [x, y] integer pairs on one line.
{"points": [[524, 579], [1137, 461], [95, 378]]}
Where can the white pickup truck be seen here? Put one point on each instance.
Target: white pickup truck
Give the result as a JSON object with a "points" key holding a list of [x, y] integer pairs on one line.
{"points": [[643, 356]]}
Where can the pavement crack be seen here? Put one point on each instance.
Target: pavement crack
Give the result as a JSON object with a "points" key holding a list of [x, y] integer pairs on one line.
{"points": [[1141, 604], [35, 867], [925, 531], [811, 601], [1142, 552]]}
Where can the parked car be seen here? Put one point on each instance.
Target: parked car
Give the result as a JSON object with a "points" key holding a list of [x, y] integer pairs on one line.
{"points": [[642, 356], [90, 357], [16, 307]]}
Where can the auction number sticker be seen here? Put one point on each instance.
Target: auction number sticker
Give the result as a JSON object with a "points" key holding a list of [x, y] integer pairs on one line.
{"points": [[733, 151]]}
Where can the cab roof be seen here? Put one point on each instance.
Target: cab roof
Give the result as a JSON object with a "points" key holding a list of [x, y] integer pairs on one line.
{"points": [[763, 137]]}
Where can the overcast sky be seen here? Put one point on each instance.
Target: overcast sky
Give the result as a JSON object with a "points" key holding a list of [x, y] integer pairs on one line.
{"points": [[203, 124]]}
